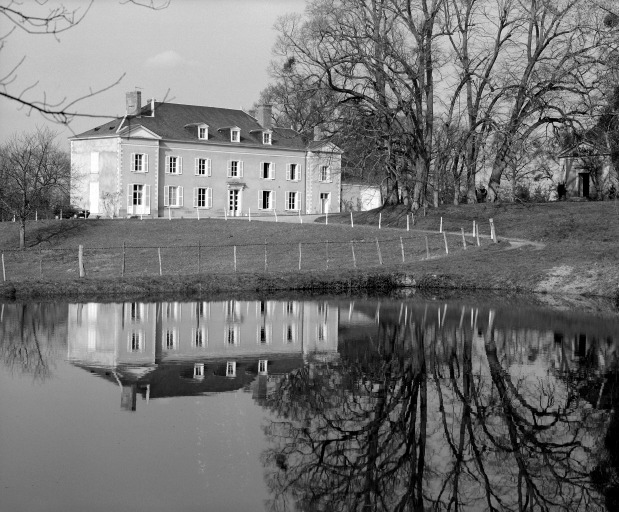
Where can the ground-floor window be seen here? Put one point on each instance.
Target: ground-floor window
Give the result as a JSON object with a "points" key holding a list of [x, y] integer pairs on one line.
{"points": [[173, 196], [202, 197], [292, 201], [138, 198], [266, 200]]}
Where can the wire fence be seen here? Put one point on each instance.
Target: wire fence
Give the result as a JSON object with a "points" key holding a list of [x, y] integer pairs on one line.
{"points": [[129, 260]]}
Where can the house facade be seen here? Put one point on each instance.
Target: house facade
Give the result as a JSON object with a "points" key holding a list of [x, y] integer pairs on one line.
{"points": [[586, 172], [166, 159]]}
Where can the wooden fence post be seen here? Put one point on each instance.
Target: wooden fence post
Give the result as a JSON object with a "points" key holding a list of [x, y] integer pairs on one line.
{"points": [[352, 224], [446, 247], [380, 258], [477, 234], [159, 252], [474, 228], [463, 240], [299, 255], [300, 218], [380, 218], [493, 231], [402, 247], [440, 229], [407, 222], [354, 260], [275, 213], [80, 260], [327, 218]]}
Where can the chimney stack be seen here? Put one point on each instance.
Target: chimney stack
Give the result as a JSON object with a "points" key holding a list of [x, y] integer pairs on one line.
{"points": [[264, 114], [134, 103]]}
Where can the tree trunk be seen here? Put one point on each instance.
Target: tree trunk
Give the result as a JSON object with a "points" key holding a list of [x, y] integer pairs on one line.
{"points": [[22, 233]]}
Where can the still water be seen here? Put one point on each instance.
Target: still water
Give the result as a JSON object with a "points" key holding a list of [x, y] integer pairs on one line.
{"points": [[331, 405]]}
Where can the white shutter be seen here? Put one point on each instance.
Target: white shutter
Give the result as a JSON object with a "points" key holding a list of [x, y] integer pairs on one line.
{"points": [[197, 168], [167, 164], [209, 197], [132, 163], [288, 166], [208, 166], [260, 204], [273, 200], [261, 170], [229, 168], [145, 162], [195, 197], [180, 196], [166, 196], [240, 168], [272, 171], [147, 199], [130, 198], [179, 163]]}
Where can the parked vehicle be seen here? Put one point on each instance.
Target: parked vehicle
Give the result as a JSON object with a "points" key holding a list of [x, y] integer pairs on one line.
{"points": [[70, 211]]}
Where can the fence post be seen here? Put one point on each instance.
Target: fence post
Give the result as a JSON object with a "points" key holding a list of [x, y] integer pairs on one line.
{"points": [[477, 233], [235, 259], [3, 269], [36, 215], [492, 231], [327, 254], [225, 213], [327, 218], [299, 255], [122, 268], [474, 227], [402, 247], [275, 212], [380, 219], [352, 224], [169, 213], [300, 218], [446, 247], [463, 239], [413, 217], [440, 229], [380, 258], [354, 260], [427, 249], [80, 260], [159, 252], [407, 222], [198, 212]]}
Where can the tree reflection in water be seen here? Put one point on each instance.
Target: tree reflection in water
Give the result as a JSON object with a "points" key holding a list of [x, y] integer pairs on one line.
{"points": [[433, 416]]}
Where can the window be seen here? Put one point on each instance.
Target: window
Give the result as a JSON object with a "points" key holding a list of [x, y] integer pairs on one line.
{"points": [[136, 312], [172, 310], [202, 310], [267, 170], [232, 311], [174, 165], [262, 366], [203, 132], [322, 332], [202, 197], [232, 335], [203, 166], [235, 169], [235, 135], [265, 334], [171, 339], [138, 198], [231, 369], [290, 308], [173, 196], [293, 172], [136, 341], [325, 173], [292, 201], [139, 162], [290, 333], [198, 371], [266, 137], [266, 200], [199, 338]]}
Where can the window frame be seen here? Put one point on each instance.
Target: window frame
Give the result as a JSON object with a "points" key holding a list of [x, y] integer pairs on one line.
{"points": [[239, 168], [178, 165], [143, 162], [297, 201], [203, 130], [271, 201], [326, 177], [270, 175], [207, 167], [290, 176], [267, 138], [178, 199], [235, 135]]}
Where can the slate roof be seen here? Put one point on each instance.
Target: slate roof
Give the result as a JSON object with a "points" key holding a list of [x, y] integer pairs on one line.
{"points": [[179, 123]]}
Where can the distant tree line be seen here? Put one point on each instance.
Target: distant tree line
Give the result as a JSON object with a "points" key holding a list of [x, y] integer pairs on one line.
{"points": [[425, 95]]}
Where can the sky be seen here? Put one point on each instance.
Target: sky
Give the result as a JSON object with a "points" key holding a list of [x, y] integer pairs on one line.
{"points": [[200, 52]]}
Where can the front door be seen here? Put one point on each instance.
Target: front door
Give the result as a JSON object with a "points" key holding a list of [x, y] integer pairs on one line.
{"points": [[324, 202], [583, 184], [234, 202]]}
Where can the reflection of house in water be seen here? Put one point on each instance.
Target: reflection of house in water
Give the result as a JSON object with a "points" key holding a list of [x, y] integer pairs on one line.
{"points": [[188, 348]]}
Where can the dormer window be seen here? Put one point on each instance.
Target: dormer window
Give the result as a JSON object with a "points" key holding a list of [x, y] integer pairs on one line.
{"points": [[266, 138], [235, 135], [203, 132]]}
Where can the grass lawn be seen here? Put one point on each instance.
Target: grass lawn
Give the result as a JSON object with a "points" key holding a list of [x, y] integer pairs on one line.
{"points": [[576, 251]]}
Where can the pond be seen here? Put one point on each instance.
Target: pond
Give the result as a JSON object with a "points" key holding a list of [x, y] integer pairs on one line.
{"points": [[310, 404]]}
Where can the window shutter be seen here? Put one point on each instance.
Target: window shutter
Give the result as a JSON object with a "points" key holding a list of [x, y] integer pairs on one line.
{"points": [[145, 162], [209, 197], [273, 200], [130, 198], [229, 168], [147, 198], [166, 196], [132, 162], [180, 196], [208, 166], [167, 164], [288, 173], [260, 203], [197, 168], [195, 197], [240, 168], [261, 170], [179, 163], [273, 171]]}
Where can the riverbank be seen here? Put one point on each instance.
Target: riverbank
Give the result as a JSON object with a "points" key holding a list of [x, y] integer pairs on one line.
{"points": [[562, 249]]}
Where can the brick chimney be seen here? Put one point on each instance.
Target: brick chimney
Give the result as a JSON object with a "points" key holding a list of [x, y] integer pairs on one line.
{"points": [[134, 103], [264, 115]]}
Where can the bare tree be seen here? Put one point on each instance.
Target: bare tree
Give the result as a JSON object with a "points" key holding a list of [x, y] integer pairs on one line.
{"points": [[34, 173], [50, 18]]}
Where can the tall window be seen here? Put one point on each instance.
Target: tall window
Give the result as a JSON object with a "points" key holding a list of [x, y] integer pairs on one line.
{"points": [[198, 370], [136, 341], [267, 170], [235, 169], [265, 334], [199, 338], [202, 197], [266, 137], [232, 335], [203, 166], [235, 135], [174, 165], [290, 333], [138, 198], [292, 201], [173, 196], [202, 132], [293, 172], [266, 200], [139, 162], [171, 339], [231, 369], [262, 366], [325, 174]]}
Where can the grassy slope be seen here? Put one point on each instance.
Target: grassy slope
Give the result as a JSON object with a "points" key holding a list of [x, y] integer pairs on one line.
{"points": [[580, 253]]}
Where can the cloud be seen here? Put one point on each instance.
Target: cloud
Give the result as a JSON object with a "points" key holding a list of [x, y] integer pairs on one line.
{"points": [[168, 59]]}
